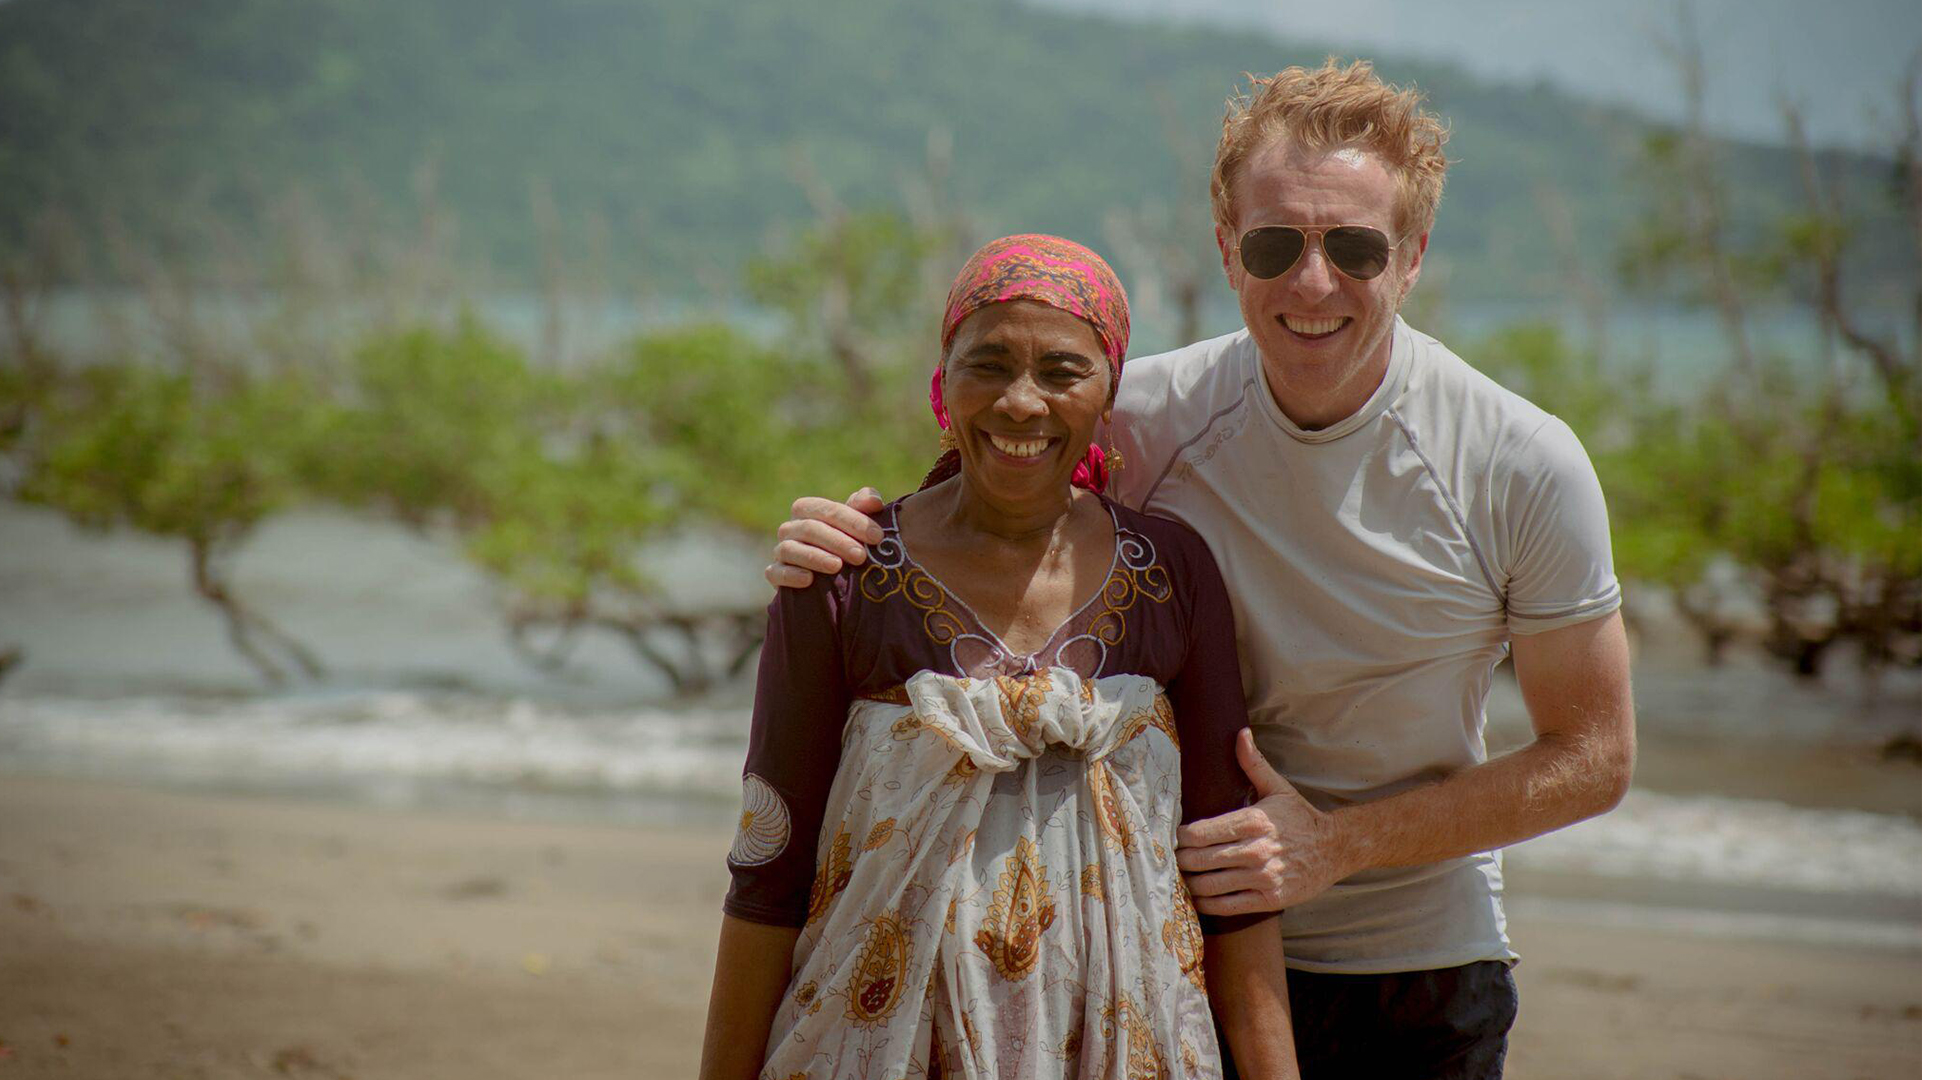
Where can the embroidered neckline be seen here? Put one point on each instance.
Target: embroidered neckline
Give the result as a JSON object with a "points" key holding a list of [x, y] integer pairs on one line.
{"points": [[999, 642], [1133, 572]]}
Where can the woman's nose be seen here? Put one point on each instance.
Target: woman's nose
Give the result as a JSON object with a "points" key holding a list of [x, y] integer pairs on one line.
{"points": [[1023, 399]]}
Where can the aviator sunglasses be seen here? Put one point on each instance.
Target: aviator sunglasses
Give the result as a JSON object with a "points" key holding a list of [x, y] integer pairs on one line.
{"points": [[1359, 251]]}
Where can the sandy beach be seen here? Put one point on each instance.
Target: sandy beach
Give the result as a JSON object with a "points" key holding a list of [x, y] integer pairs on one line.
{"points": [[152, 933]]}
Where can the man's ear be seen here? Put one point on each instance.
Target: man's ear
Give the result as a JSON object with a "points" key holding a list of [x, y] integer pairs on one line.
{"points": [[1225, 256], [1415, 265]]}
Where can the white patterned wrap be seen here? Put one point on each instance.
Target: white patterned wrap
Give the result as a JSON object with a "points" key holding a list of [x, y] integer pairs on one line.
{"points": [[997, 892]]}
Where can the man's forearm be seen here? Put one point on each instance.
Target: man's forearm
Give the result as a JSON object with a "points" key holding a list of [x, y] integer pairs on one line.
{"points": [[1558, 779]]}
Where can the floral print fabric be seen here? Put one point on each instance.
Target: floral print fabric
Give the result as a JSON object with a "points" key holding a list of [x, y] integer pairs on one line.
{"points": [[996, 892]]}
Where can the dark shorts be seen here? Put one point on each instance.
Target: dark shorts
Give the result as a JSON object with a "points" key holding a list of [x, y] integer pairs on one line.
{"points": [[1447, 1024]]}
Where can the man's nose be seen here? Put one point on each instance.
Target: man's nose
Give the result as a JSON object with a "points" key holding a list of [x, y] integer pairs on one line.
{"points": [[1313, 275]]}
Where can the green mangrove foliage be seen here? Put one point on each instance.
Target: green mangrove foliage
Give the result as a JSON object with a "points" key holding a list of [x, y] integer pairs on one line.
{"points": [[201, 458], [553, 482], [556, 481]]}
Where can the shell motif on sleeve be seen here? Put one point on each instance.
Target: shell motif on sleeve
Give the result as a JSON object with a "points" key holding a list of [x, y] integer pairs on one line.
{"points": [[764, 831]]}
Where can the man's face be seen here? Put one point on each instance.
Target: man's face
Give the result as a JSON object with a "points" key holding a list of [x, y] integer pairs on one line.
{"points": [[1318, 329]]}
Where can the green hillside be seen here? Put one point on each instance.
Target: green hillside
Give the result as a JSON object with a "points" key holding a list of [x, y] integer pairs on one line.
{"points": [[668, 133]]}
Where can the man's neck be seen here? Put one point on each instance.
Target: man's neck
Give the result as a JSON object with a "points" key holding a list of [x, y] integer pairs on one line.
{"points": [[1316, 400]]}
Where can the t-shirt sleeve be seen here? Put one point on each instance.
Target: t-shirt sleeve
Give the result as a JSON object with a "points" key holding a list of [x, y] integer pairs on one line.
{"points": [[1561, 570], [802, 696], [1208, 699]]}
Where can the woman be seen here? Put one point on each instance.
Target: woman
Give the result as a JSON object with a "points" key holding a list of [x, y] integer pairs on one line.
{"points": [[970, 756]]}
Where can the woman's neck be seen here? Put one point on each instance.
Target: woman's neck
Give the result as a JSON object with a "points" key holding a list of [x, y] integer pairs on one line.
{"points": [[1029, 523]]}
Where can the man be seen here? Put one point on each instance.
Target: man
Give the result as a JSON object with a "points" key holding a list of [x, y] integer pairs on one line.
{"points": [[1388, 522]]}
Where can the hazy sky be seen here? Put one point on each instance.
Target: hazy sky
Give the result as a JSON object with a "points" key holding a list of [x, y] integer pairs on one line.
{"points": [[1842, 60]]}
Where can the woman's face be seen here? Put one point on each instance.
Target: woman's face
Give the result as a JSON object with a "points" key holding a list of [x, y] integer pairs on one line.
{"points": [[1025, 384]]}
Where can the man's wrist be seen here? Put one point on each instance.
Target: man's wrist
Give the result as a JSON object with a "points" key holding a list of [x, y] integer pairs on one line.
{"points": [[1350, 840]]}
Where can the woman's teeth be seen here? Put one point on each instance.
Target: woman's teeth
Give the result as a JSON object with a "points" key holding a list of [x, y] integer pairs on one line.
{"points": [[1019, 447], [1314, 327]]}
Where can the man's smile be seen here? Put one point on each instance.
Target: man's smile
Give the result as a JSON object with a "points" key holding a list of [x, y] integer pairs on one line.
{"points": [[1317, 329]]}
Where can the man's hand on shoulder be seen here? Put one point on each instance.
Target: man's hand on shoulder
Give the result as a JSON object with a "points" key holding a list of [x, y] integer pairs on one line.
{"points": [[822, 535], [1271, 855]]}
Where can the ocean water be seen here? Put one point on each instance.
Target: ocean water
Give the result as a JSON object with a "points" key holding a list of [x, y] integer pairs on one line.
{"points": [[127, 677], [656, 762]]}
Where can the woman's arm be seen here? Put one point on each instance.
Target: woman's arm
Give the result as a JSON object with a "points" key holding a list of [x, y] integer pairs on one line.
{"points": [[1245, 969], [1246, 974], [751, 971], [795, 736]]}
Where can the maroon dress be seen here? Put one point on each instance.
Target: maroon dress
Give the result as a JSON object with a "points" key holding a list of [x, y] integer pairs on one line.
{"points": [[979, 845]]}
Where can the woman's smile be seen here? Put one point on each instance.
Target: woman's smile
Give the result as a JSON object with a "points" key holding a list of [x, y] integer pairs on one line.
{"points": [[1021, 449]]}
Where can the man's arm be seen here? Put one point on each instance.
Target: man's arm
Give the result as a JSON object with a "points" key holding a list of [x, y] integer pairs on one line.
{"points": [[1281, 850], [822, 536]]}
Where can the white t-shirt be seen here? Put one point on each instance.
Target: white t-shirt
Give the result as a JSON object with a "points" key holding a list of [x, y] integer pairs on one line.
{"points": [[1377, 569]]}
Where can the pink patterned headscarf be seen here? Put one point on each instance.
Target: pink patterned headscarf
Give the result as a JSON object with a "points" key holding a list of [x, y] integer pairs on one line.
{"points": [[1057, 272]]}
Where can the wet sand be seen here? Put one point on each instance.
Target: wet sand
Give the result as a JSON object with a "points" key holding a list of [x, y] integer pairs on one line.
{"points": [[146, 933]]}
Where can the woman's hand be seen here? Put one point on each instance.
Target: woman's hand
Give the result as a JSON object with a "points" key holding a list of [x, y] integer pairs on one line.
{"points": [[822, 535]]}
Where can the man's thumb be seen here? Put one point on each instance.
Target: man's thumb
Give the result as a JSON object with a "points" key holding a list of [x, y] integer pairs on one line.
{"points": [[866, 500], [1266, 780]]}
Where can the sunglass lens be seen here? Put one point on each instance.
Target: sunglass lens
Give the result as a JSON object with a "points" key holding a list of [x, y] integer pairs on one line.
{"points": [[1357, 251], [1269, 252]]}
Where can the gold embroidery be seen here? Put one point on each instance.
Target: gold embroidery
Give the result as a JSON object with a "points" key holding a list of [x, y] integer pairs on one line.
{"points": [[878, 979], [1159, 715], [1135, 574], [1092, 880], [963, 769], [1127, 583], [1113, 822], [881, 583], [1071, 1047], [1185, 938], [880, 833], [832, 875], [806, 994], [764, 831], [1143, 1059], [1021, 910], [1021, 698]]}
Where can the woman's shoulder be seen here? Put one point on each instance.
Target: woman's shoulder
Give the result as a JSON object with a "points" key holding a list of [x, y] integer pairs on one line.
{"points": [[1173, 540]]}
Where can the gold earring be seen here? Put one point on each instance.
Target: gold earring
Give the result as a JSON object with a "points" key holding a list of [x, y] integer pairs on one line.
{"points": [[946, 441], [1112, 459]]}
